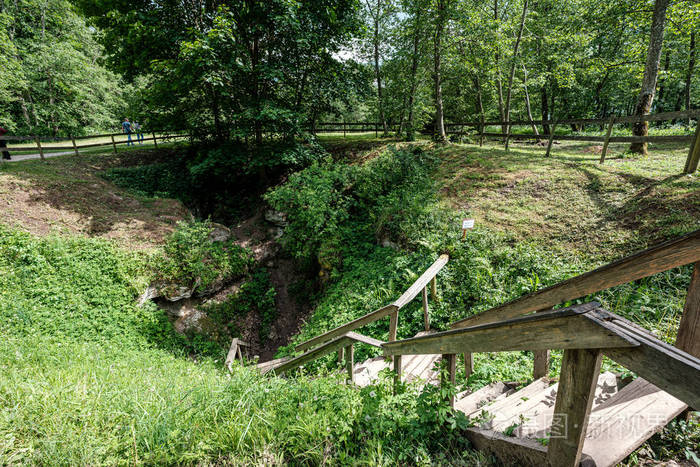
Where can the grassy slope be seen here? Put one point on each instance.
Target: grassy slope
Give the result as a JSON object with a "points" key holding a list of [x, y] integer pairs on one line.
{"points": [[570, 201], [69, 396]]}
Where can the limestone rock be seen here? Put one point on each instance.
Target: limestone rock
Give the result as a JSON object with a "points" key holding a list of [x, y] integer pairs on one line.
{"points": [[276, 218], [219, 233]]}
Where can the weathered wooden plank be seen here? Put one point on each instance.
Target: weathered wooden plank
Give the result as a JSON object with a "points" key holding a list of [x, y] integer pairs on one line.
{"points": [[426, 316], [397, 372], [315, 353], [512, 451], [365, 339], [579, 373], [347, 327], [468, 365], [393, 324], [562, 329], [421, 282], [75, 147], [659, 258], [350, 361], [664, 365], [41, 150], [450, 363], [688, 338], [270, 365], [540, 364], [619, 425]]}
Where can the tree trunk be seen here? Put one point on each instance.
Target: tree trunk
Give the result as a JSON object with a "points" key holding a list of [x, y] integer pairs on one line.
{"points": [[410, 127], [544, 108], [499, 83], [651, 72], [439, 114], [512, 68], [527, 105], [689, 72], [380, 102]]}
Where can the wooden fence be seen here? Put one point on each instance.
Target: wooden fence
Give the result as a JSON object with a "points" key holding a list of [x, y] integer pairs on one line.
{"points": [[76, 147], [506, 134]]}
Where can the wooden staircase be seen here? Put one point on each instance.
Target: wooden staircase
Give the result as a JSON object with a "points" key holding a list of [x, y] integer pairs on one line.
{"points": [[587, 417]]}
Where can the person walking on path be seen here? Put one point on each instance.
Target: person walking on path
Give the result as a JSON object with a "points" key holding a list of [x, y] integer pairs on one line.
{"points": [[139, 132], [126, 128], [3, 145]]}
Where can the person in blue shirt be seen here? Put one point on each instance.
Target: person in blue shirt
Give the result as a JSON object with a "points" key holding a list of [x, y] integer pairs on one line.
{"points": [[126, 128]]}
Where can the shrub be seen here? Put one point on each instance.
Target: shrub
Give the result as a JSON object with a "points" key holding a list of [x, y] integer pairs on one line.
{"points": [[190, 259]]}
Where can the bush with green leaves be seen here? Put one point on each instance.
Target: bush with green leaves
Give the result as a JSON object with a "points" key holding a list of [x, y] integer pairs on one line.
{"points": [[189, 258]]}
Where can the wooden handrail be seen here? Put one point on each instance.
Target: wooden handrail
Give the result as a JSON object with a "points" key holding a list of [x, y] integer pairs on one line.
{"points": [[373, 316], [668, 255], [569, 328], [326, 348], [347, 327]]}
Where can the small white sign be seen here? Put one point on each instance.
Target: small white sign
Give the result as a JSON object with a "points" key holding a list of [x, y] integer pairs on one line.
{"points": [[467, 224]]}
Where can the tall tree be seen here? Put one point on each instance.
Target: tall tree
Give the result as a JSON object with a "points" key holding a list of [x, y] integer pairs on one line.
{"points": [[440, 18], [651, 72]]}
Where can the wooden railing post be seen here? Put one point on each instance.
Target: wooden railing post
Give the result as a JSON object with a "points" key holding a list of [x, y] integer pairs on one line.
{"points": [[340, 356], [579, 374], [114, 144], [449, 362], [691, 164], [350, 362], [155, 140], [426, 318], [344, 130], [397, 372], [688, 338], [75, 146], [607, 139], [38, 145], [508, 128], [540, 364], [468, 365], [481, 133], [393, 324]]}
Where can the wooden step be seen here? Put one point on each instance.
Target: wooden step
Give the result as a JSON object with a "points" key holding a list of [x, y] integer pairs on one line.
{"points": [[469, 402], [537, 412], [512, 401], [622, 423]]}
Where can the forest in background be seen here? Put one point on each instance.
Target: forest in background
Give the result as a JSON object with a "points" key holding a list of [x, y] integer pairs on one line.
{"points": [[251, 70]]}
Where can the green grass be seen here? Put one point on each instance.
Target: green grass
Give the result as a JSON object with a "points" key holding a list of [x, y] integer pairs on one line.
{"points": [[86, 377]]}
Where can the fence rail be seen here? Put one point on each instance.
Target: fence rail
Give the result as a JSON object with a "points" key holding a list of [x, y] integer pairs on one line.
{"points": [[75, 147]]}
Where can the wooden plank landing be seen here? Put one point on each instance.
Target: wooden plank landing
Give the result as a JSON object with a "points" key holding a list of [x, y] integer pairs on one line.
{"points": [[621, 424]]}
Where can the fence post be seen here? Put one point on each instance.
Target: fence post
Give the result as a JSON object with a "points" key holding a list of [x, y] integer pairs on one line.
{"points": [[155, 140], [340, 356], [551, 138], [688, 338], [579, 374], [691, 165], [350, 362], [376, 130], [426, 318], [344, 130], [481, 133], [41, 150], [75, 146], [607, 139], [114, 145]]}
